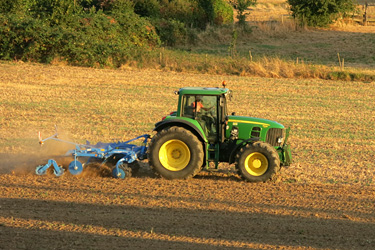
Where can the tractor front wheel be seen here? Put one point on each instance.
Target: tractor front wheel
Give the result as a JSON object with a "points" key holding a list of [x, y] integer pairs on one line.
{"points": [[175, 153], [258, 162]]}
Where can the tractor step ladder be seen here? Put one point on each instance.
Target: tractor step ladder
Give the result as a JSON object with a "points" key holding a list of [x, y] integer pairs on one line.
{"points": [[213, 154]]}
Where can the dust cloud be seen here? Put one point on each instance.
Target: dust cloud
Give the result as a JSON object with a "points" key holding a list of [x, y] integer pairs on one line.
{"points": [[22, 163]]}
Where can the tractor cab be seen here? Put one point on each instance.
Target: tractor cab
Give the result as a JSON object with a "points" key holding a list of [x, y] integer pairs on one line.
{"points": [[204, 109], [207, 106]]}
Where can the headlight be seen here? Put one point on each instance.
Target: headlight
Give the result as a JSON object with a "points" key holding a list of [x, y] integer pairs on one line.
{"points": [[234, 133]]}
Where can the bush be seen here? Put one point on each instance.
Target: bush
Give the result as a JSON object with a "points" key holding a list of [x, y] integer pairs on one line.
{"points": [[11, 6], [97, 38], [175, 20], [171, 32], [192, 13], [147, 8], [94, 38], [319, 12], [223, 12], [216, 11], [186, 12], [80, 37], [27, 39], [241, 6]]}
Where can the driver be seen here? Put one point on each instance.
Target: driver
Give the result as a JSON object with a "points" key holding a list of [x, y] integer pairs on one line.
{"points": [[198, 101], [206, 118]]}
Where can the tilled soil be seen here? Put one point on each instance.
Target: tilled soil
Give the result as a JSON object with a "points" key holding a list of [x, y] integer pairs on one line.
{"points": [[210, 211]]}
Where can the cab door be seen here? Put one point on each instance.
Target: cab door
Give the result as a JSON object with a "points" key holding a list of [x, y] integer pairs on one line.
{"points": [[204, 109], [222, 117]]}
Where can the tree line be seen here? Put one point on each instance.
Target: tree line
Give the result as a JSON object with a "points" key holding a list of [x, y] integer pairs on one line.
{"points": [[112, 32]]}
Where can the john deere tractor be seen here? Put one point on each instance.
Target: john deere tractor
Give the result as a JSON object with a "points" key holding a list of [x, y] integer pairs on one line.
{"points": [[201, 131]]}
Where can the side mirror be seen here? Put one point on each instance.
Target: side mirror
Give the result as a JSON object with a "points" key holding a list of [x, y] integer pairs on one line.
{"points": [[230, 95], [222, 101]]}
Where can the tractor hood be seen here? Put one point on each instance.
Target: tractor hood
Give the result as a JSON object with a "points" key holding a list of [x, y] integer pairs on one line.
{"points": [[235, 120]]}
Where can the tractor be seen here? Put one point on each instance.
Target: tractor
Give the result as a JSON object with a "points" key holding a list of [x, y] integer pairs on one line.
{"points": [[186, 141], [201, 132]]}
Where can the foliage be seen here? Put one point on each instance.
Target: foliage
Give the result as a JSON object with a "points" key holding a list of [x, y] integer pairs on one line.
{"points": [[99, 38], [223, 12], [319, 12], [174, 20], [50, 29], [232, 46], [171, 31], [27, 39], [147, 8], [192, 13], [12, 6], [241, 6], [216, 11], [101, 32]]}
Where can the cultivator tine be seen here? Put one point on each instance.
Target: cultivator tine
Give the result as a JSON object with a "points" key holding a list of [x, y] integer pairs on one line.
{"points": [[42, 169], [41, 141], [40, 138], [55, 137]]}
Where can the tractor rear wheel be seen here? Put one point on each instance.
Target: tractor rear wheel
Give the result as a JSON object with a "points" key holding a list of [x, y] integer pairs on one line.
{"points": [[175, 153], [258, 162]]}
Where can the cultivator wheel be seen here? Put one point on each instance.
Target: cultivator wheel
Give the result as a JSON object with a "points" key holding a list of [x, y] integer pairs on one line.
{"points": [[40, 170], [122, 171], [75, 167]]}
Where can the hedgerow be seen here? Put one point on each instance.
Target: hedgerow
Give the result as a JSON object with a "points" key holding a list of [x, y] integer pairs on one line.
{"points": [[175, 19], [320, 13], [50, 29], [101, 32]]}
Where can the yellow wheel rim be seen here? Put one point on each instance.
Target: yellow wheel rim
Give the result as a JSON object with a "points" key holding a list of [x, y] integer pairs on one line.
{"points": [[256, 164], [174, 155]]}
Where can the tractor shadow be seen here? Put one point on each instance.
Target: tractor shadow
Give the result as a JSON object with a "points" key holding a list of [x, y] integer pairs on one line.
{"points": [[223, 173], [219, 174]]}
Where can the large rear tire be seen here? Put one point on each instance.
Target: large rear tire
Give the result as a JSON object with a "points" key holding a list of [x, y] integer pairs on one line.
{"points": [[258, 162], [175, 153]]}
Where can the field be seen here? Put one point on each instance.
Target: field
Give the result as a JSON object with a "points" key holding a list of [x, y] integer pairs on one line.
{"points": [[324, 200], [274, 34]]}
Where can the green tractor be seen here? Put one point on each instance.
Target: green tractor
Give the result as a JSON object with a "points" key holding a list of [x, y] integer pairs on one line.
{"points": [[201, 131]]}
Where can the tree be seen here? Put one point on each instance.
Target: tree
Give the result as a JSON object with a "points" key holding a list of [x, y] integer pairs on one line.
{"points": [[319, 13], [216, 12], [241, 6]]}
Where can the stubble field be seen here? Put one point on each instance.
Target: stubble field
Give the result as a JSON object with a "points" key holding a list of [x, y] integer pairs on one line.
{"points": [[324, 200]]}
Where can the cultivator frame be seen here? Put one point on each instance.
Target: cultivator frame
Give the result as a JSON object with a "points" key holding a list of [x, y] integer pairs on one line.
{"points": [[118, 155]]}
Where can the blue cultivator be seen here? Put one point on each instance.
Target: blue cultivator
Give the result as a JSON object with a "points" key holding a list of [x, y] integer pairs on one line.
{"points": [[121, 156]]}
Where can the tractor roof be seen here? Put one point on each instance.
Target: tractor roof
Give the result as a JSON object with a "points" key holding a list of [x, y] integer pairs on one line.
{"points": [[202, 91]]}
